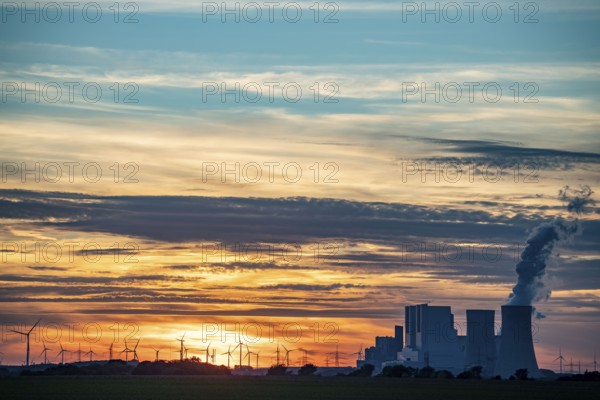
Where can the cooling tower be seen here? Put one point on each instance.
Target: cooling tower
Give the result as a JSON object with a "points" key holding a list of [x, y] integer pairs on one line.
{"points": [[481, 342], [516, 342]]}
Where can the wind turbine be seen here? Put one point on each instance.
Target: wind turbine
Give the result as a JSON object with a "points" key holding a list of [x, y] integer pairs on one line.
{"points": [[126, 350], [135, 354], [213, 357], [110, 351], [181, 351], [240, 345], [249, 355], [287, 355], [595, 363], [45, 352], [560, 358], [79, 353], [228, 355], [27, 336], [156, 351], [207, 350], [91, 353], [61, 353]]}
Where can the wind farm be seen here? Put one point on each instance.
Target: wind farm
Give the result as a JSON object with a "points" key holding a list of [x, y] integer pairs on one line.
{"points": [[244, 358], [235, 367]]}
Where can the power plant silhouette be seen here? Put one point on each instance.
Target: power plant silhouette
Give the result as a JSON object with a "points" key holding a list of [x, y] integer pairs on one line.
{"points": [[516, 344], [432, 340]]}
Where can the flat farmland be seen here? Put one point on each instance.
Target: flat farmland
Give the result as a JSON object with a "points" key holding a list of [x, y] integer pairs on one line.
{"points": [[285, 388]]}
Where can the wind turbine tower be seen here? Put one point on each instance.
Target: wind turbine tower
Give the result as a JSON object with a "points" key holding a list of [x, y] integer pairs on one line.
{"points": [[207, 350], [27, 334], [181, 348], [45, 352], [156, 351], [79, 353], [560, 358], [287, 355], [240, 345], [61, 353], [91, 354], [135, 354], [126, 350], [228, 356]]}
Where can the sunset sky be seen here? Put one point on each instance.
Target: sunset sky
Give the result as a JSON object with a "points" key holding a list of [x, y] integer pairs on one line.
{"points": [[291, 218]]}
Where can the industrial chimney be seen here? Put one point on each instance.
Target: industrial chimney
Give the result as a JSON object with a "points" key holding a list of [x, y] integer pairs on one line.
{"points": [[481, 341], [516, 342]]}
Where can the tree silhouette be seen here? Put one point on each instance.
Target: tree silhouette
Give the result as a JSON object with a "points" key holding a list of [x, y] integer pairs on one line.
{"points": [[308, 369], [277, 370], [522, 374]]}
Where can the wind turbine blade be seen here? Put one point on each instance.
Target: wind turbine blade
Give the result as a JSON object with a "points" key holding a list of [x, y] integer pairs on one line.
{"points": [[22, 333], [284, 348], [34, 325]]}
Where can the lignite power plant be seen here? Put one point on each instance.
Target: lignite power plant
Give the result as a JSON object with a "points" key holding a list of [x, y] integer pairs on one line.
{"points": [[433, 340], [431, 335]]}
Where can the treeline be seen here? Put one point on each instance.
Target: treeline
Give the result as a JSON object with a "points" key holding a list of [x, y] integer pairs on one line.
{"points": [[401, 371], [117, 367], [585, 377], [195, 367], [186, 367]]}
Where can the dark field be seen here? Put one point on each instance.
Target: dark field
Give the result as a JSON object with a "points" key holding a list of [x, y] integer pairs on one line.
{"points": [[285, 388]]}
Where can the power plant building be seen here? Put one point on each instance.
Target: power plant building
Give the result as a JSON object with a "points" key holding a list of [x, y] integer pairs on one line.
{"points": [[433, 340], [481, 341], [516, 343], [386, 349]]}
